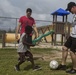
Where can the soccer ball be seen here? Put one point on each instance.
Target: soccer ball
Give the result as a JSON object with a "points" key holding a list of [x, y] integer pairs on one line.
{"points": [[53, 64]]}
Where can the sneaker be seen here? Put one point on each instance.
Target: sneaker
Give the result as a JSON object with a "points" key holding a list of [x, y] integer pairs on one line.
{"points": [[61, 67], [16, 67], [67, 71], [36, 68], [71, 71]]}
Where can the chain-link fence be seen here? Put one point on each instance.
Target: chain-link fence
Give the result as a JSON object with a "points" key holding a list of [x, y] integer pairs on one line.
{"points": [[9, 24]]}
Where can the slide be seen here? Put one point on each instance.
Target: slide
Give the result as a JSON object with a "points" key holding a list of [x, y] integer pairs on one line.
{"points": [[40, 37]]}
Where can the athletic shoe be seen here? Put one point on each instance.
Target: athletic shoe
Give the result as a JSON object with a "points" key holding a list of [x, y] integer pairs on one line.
{"points": [[16, 67], [61, 67], [36, 68], [71, 71]]}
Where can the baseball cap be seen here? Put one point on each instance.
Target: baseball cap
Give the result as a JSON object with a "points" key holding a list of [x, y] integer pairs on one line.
{"points": [[70, 5]]}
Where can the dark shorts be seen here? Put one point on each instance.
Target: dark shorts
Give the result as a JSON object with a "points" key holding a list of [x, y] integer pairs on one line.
{"points": [[71, 44], [23, 55], [28, 53]]}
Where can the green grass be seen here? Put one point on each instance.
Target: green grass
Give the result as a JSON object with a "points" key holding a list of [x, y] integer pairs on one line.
{"points": [[8, 58]]}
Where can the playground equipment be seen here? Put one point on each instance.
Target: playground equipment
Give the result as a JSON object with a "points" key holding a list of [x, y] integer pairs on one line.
{"points": [[60, 26], [43, 35], [10, 37]]}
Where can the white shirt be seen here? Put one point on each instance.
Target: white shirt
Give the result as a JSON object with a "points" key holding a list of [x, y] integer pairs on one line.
{"points": [[21, 47], [73, 33]]}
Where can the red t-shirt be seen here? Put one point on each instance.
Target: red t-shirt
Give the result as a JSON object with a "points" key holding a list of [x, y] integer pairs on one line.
{"points": [[24, 22]]}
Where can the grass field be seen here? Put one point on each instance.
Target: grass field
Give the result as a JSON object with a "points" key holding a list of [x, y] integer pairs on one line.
{"points": [[8, 58]]}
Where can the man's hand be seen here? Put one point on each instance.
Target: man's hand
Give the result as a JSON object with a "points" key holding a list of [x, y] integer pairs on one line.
{"points": [[16, 36], [36, 35]]}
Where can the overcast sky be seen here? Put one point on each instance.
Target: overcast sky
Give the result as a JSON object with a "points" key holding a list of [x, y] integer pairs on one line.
{"points": [[41, 8]]}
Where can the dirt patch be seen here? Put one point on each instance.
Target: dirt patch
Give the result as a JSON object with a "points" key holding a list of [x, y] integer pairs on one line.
{"points": [[55, 55]]}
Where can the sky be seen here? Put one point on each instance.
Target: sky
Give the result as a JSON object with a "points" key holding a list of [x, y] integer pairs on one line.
{"points": [[41, 8]]}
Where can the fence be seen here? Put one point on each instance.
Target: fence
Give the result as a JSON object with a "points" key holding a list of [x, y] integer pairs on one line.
{"points": [[9, 25]]}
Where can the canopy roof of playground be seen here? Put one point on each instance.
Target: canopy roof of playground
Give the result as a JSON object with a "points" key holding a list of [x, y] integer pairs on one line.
{"points": [[60, 12]]}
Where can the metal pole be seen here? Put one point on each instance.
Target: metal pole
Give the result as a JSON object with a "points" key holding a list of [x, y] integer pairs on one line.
{"points": [[3, 39], [15, 32]]}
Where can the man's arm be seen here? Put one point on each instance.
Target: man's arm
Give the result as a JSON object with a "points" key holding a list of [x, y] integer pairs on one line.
{"points": [[17, 29], [36, 31]]}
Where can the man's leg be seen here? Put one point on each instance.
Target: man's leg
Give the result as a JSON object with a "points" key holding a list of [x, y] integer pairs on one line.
{"points": [[62, 66], [73, 69], [64, 55], [73, 57]]}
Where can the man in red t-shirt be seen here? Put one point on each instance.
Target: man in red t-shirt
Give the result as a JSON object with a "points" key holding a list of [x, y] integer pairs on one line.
{"points": [[24, 21]]}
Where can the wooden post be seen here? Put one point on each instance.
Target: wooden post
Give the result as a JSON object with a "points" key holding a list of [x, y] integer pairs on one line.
{"points": [[62, 39], [3, 38], [65, 28], [55, 20], [43, 33]]}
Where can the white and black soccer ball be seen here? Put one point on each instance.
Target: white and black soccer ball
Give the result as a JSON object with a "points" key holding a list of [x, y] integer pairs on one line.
{"points": [[53, 64]]}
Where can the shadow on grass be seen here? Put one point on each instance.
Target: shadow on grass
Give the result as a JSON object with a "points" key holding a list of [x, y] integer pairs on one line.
{"points": [[37, 58], [28, 67]]}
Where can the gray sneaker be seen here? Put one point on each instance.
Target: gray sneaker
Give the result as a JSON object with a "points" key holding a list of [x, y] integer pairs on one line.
{"points": [[16, 67], [36, 68]]}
